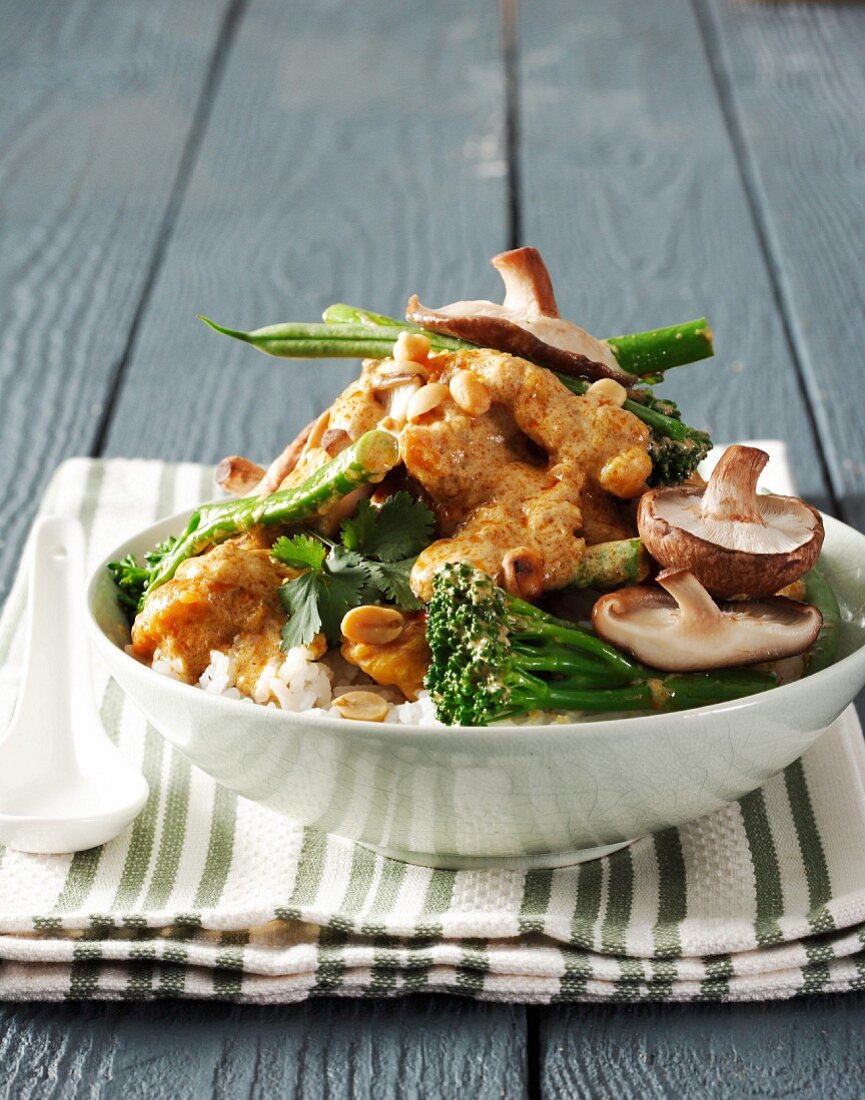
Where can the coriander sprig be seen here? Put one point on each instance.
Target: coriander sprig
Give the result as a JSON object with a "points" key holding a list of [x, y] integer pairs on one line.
{"points": [[372, 562]]}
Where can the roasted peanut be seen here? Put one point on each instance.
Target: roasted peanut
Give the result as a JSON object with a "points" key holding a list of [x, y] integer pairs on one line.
{"points": [[317, 648], [469, 393], [426, 399], [372, 625], [523, 571], [413, 346], [607, 391], [624, 475], [362, 706]]}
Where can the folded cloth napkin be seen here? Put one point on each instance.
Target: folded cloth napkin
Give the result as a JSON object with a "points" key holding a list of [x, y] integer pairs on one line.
{"points": [[209, 895]]}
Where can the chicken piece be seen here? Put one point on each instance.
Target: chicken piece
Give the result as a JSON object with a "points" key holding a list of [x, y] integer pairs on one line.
{"points": [[533, 471], [226, 599], [539, 468], [402, 663]]}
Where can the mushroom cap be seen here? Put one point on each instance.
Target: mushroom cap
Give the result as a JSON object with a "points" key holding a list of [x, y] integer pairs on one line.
{"points": [[526, 324], [731, 559], [735, 542], [683, 630]]}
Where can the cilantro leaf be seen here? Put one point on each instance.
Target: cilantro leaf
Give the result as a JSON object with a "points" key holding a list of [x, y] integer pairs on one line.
{"points": [[317, 601], [400, 529], [391, 581], [357, 530], [299, 552], [299, 598]]}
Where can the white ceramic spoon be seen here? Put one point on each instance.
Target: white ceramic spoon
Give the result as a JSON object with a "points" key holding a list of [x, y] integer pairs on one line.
{"points": [[64, 787]]}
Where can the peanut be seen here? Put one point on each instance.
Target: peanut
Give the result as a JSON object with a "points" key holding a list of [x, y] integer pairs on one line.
{"points": [[413, 346], [426, 399], [362, 706], [607, 391], [469, 393], [372, 625]]}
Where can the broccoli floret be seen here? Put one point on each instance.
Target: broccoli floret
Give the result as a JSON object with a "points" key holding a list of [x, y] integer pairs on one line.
{"points": [[132, 580], [675, 449], [495, 657]]}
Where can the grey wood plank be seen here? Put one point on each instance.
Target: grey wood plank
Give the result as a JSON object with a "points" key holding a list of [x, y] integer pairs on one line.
{"points": [[630, 186], [96, 102], [793, 78], [421, 1047], [356, 152], [804, 1048], [631, 189]]}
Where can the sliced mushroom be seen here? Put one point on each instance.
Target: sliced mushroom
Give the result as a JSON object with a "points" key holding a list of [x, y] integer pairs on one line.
{"points": [[238, 475], [736, 542], [682, 629], [285, 462], [527, 323]]}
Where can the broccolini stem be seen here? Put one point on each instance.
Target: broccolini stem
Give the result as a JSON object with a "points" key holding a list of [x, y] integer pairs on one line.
{"points": [[529, 622], [369, 459], [610, 563], [663, 425], [824, 651], [668, 693], [660, 349]]}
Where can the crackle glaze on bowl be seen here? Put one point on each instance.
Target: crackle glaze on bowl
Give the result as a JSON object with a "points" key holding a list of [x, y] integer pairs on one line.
{"points": [[519, 795]]}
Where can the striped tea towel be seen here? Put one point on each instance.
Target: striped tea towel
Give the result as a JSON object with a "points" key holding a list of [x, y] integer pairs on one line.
{"points": [[210, 895]]}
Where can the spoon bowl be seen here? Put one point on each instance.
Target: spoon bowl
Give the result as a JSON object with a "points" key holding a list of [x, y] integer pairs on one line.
{"points": [[64, 786]]}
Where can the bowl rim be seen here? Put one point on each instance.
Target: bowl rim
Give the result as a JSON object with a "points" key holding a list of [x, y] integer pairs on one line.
{"points": [[624, 724]]}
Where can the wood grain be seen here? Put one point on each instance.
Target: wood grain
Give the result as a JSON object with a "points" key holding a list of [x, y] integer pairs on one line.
{"points": [[793, 79], [420, 1047], [355, 153], [804, 1048], [632, 191], [97, 101]]}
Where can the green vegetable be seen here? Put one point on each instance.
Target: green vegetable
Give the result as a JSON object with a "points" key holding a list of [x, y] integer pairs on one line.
{"points": [[323, 341], [132, 579], [400, 528], [640, 353], [610, 563], [318, 599], [676, 450], [369, 459], [372, 562], [824, 651], [660, 349], [352, 333], [494, 657]]}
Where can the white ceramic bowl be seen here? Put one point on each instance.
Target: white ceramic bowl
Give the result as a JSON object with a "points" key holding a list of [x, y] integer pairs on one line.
{"points": [[519, 795]]}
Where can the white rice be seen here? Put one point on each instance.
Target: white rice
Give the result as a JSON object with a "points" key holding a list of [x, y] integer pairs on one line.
{"points": [[303, 685]]}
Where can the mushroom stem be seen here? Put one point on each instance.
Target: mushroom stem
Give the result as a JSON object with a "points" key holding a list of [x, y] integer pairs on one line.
{"points": [[697, 608], [528, 286], [732, 490]]}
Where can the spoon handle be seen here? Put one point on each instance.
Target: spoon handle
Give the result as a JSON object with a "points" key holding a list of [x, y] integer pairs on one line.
{"points": [[56, 694]]}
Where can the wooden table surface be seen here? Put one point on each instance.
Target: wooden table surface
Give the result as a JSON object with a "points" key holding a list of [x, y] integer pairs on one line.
{"points": [[258, 159]]}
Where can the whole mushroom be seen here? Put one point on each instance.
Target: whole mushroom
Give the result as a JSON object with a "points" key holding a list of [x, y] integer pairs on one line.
{"points": [[682, 629], [736, 542], [527, 323]]}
